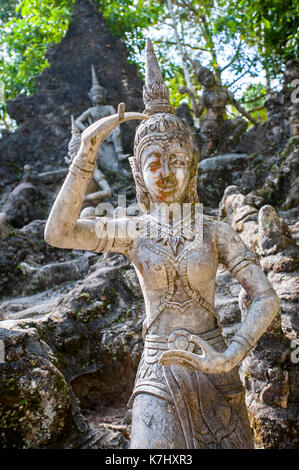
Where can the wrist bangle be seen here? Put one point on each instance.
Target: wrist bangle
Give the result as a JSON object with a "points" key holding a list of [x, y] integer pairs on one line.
{"points": [[78, 172], [243, 341], [83, 165]]}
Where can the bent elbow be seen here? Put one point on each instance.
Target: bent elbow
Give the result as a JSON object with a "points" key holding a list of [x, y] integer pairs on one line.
{"points": [[273, 303], [52, 237]]}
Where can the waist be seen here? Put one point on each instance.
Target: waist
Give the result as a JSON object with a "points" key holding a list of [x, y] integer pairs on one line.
{"points": [[180, 340]]}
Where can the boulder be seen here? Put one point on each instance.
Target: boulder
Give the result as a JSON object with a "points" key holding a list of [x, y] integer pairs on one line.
{"points": [[82, 356]]}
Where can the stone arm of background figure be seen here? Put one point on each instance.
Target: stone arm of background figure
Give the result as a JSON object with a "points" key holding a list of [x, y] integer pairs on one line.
{"points": [[116, 139], [64, 229], [265, 305], [237, 105], [82, 121]]}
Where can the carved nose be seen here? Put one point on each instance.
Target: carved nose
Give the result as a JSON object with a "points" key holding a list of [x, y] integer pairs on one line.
{"points": [[165, 169]]}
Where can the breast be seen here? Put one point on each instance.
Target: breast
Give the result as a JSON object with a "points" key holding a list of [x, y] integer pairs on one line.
{"points": [[201, 266], [151, 268], [157, 270]]}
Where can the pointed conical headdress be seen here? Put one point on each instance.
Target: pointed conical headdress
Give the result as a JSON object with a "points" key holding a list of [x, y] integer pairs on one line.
{"points": [[163, 123], [163, 126], [95, 84], [155, 92]]}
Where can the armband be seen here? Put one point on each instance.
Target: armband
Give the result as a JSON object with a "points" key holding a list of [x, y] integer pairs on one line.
{"points": [[241, 261]]}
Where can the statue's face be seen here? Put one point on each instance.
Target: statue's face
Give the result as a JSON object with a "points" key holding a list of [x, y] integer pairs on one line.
{"points": [[166, 170], [207, 79], [98, 97]]}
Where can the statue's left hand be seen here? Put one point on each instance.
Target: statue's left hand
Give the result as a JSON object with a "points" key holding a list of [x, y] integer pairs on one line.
{"points": [[209, 362]]}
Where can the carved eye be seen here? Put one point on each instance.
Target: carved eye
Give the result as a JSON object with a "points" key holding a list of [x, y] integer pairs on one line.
{"points": [[177, 160], [155, 165]]}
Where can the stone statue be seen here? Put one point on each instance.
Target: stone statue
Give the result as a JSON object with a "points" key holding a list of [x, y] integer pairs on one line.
{"points": [[217, 132], [111, 151], [98, 188], [187, 393]]}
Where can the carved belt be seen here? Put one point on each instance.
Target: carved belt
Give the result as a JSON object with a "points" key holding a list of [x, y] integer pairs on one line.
{"points": [[150, 377], [178, 339]]}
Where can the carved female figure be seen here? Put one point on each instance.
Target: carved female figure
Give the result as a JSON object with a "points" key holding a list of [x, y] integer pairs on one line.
{"points": [[187, 393], [216, 131]]}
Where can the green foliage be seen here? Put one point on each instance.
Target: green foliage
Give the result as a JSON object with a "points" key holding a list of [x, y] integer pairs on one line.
{"points": [[35, 24], [129, 19], [24, 41], [7, 10], [253, 101], [271, 26], [235, 37]]}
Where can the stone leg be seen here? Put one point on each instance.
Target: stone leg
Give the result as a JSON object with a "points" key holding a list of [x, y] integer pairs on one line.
{"points": [[87, 212], [155, 424], [108, 159]]}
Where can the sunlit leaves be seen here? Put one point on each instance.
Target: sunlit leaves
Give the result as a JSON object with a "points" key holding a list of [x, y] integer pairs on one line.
{"points": [[24, 41]]}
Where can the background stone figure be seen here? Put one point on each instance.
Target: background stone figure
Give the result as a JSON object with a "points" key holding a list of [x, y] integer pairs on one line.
{"points": [[111, 151], [187, 393], [217, 132], [98, 188]]}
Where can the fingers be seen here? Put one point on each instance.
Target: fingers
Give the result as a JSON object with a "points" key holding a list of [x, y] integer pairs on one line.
{"points": [[204, 345], [183, 358], [203, 363], [121, 110]]}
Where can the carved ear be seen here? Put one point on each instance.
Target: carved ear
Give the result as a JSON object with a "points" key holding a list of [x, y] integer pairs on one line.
{"points": [[137, 174], [139, 180]]}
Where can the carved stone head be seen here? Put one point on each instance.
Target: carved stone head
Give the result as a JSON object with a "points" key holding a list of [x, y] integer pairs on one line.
{"points": [[98, 94], [205, 76], [164, 164]]}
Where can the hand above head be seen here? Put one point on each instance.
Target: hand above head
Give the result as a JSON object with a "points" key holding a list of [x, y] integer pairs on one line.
{"points": [[93, 136]]}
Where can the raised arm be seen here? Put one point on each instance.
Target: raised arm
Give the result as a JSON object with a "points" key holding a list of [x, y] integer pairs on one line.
{"points": [[242, 263], [64, 229]]}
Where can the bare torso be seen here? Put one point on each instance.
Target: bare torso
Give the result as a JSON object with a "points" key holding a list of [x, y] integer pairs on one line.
{"points": [[175, 284], [215, 101]]}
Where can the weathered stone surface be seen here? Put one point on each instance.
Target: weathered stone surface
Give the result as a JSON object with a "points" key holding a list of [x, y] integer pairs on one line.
{"points": [[226, 298], [35, 405], [95, 329], [26, 246], [268, 372], [216, 173], [274, 234], [240, 215]]}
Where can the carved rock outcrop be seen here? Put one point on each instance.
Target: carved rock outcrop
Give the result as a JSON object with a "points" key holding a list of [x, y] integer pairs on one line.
{"points": [[95, 329], [268, 372]]}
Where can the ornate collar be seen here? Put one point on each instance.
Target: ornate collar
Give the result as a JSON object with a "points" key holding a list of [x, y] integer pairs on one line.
{"points": [[172, 234]]}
